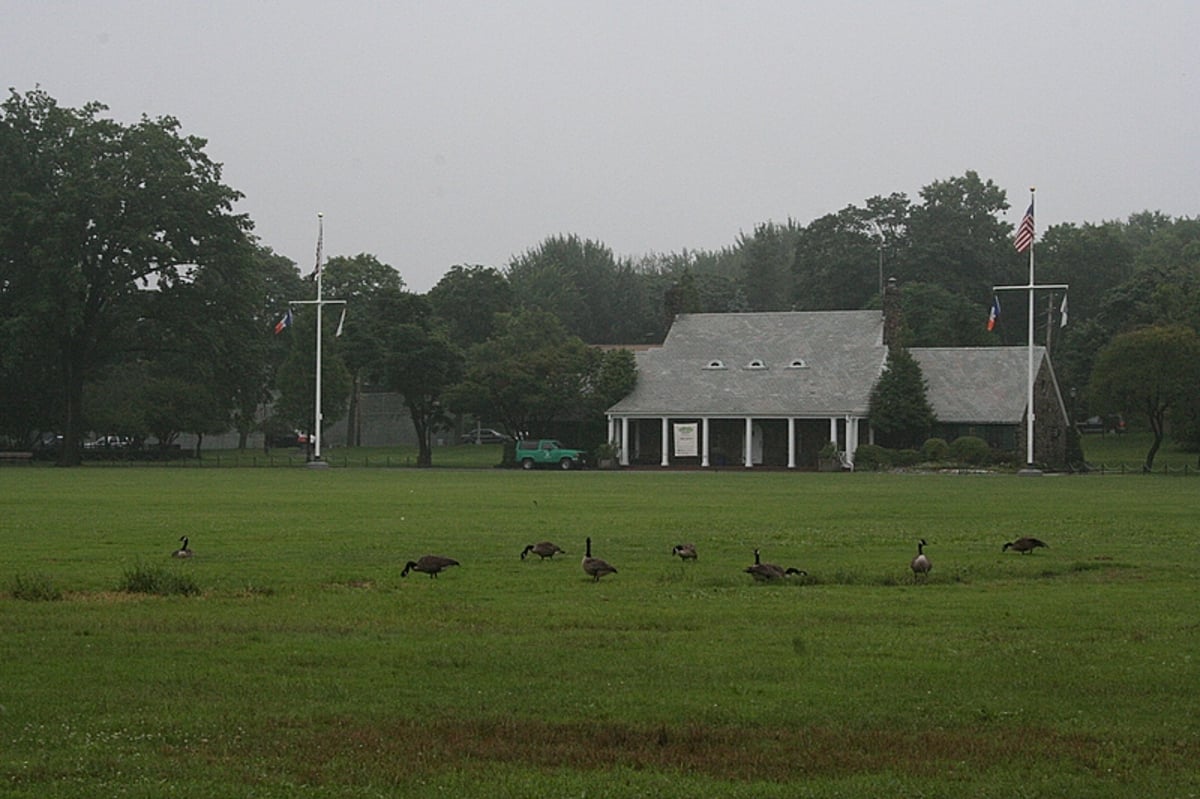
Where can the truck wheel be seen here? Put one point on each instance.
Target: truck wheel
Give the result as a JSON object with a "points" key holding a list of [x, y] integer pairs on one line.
{"points": [[565, 464], [527, 464]]}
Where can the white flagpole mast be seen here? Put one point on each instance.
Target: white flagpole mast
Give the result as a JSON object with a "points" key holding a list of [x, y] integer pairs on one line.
{"points": [[1029, 414], [1029, 406], [320, 302]]}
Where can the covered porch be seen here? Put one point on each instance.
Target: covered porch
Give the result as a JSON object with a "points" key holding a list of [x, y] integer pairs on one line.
{"points": [[747, 441]]}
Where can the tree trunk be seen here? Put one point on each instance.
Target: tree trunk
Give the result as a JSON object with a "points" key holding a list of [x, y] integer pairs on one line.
{"points": [[1157, 424]]}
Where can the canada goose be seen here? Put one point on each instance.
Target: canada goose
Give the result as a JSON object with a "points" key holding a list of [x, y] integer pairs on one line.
{"points": [[764, 572], [685, 551], [183, 551], [1025, 545], [543, 549], [921, 564], [429, 564], [594, 566]]}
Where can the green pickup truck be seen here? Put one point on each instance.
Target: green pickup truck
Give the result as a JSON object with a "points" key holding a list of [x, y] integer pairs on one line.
{"points": [[548, 452]]}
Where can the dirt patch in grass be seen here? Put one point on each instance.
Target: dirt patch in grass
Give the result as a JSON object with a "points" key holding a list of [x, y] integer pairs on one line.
{"points": [[396, 749]]}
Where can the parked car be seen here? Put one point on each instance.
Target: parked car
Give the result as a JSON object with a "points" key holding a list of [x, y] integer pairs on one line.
{"points": [[1114, 423], [484, 435], [292, 439], [109, 442], [48, 442]]}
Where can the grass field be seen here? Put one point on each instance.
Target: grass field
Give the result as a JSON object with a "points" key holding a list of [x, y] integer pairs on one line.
{"points": [[307, 666]]}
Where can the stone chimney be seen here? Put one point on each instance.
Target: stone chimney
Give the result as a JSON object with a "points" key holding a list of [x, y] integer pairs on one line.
{"points": [[891, 314]]}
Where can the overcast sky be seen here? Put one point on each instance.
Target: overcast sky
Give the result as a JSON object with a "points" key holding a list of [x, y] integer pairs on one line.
{"points": [[440, 133]]}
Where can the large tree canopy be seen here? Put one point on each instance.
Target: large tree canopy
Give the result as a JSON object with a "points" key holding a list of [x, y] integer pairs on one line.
{"points": [[92, 214], [417, 359], [467, 299], [531, 373], [1149, 372], [596, 297]]}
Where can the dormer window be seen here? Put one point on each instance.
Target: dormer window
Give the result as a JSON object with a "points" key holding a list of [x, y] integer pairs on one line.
{"points": [[798, 363], [715, 364], [757, 363]]}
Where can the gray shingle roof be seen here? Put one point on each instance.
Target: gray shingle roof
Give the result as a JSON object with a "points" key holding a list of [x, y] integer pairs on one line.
{"points": [[816, 363], [813, 364], [977, 384]]}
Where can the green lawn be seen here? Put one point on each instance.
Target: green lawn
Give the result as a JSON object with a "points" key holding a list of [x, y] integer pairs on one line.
{"points": [[1127, 452], [306, 665]]}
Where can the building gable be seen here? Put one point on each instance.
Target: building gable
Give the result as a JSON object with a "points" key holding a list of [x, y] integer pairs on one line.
{"points": [[977, 385], [819, 363]]}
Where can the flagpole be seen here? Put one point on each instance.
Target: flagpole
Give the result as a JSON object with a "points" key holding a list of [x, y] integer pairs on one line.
{"points": [[320, 302], [1029, 414], [1024, 240], [320, 306]]}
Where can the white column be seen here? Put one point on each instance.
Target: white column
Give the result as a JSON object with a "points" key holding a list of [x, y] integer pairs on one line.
{"points": [[851, 439], [704, 442], [791, 442], [749, 437], [833, 429], [624, 441], [666, 429]]}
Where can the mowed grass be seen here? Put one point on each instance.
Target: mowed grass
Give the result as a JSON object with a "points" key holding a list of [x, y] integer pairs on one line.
{"points": [[307, 666]]}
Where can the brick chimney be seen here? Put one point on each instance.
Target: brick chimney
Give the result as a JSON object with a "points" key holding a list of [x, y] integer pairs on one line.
{"points": [[891, 314]]}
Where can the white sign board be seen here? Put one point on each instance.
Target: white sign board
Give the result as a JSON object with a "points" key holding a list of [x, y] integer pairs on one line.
{"points": [[686, 443]]}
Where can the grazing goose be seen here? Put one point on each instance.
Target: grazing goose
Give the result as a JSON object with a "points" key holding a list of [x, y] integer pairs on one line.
{"points": [[183, 551], [429, 564], [1025, 545], [594, 566], [543, 549], [765, 572], [685, 551], [920, 564]]}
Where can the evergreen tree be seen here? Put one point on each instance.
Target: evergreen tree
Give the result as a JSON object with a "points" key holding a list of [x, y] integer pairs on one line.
{"points": [[899, 408]]}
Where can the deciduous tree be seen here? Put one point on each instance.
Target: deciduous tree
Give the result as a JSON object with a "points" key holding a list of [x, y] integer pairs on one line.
{"points": [[93, 212], [1148, 372]]}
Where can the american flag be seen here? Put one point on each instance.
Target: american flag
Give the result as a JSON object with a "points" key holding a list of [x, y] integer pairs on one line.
{"points": [[320, 241], [1025, 231]]}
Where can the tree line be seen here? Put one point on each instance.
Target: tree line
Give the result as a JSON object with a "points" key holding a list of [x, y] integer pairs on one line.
{"points": [[134, 300]]}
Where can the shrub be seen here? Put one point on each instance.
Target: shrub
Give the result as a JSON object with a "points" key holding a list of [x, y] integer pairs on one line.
{"points": [[1007, 458], [935, 449], [906, 457], [35, 588], [871, 457], [970, 450], [142, 579]]}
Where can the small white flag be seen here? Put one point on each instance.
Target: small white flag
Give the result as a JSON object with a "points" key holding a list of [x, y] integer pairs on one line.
{"points": [[1062, 312], [342, 321]]}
